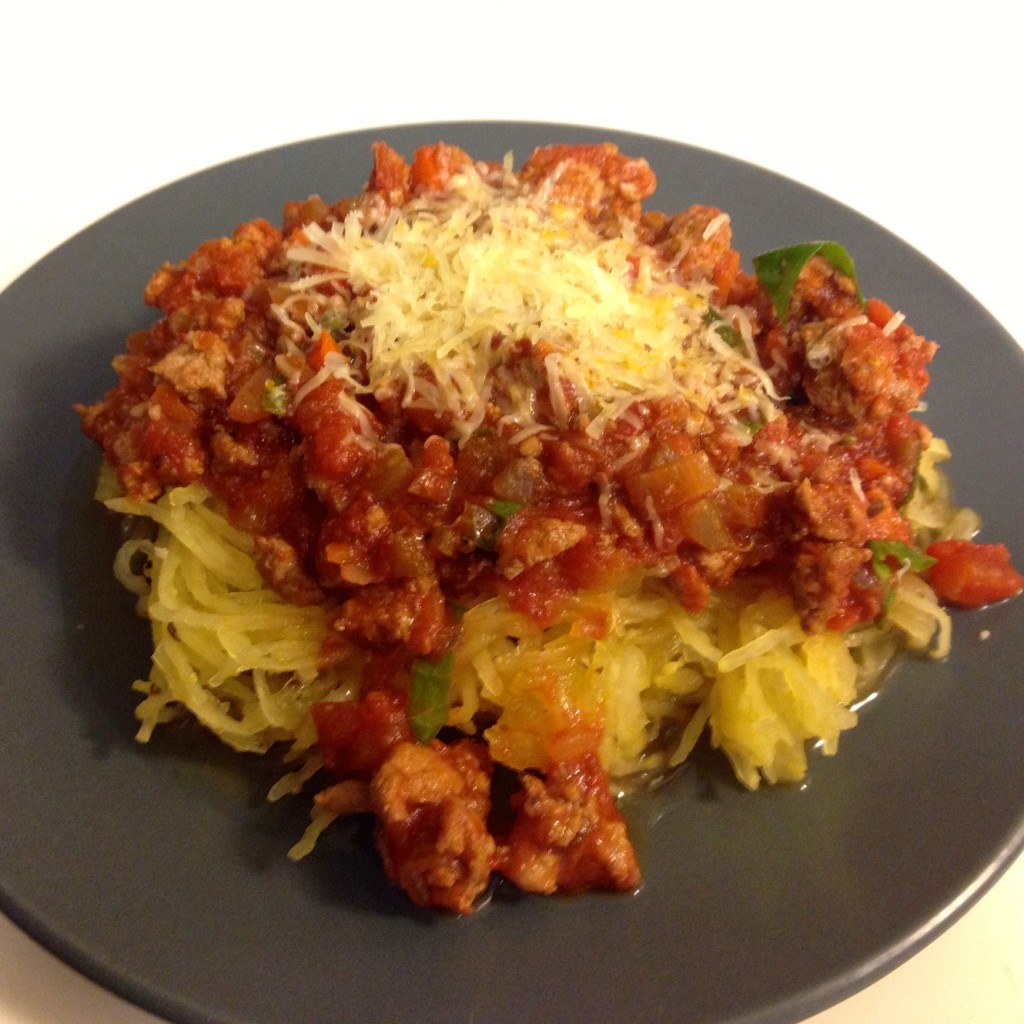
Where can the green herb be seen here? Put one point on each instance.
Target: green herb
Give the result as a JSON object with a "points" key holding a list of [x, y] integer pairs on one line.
{"points": [[275, 396], [909, 558], [779, 269], [883, 552], [504, 510], [334, 322], [428, 696], [713, 318]]}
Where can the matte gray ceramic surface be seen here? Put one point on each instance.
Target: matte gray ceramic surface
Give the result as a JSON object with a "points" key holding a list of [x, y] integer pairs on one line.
{"points": [[161, 872]]}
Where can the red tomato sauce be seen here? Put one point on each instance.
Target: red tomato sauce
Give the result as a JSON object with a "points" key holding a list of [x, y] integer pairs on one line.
{"points": [[383, 514], [405, 514]]}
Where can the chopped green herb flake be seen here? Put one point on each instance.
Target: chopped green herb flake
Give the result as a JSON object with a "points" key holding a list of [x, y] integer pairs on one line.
{"points": [[492, 520], [428, 697], [907, 557], [504, 510], [275, 396], [728, 333]]}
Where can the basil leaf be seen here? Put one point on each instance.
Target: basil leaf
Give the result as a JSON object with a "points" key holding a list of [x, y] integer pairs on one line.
{"points": [[779, 269], [428, 697], [908, 557]]}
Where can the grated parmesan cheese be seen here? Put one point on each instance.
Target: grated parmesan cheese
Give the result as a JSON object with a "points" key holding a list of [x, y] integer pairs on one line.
{"points": [[450, 290], [893, 323]]}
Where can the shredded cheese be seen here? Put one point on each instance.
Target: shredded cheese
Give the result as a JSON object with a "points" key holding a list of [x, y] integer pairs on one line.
{"points": [[452, 290]]}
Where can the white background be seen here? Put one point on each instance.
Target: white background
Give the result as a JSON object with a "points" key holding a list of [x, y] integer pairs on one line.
{"points": [[907, 113]]}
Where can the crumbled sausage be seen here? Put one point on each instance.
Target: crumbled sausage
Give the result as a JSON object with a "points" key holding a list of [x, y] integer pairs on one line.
{"points": [[568, 834], [432, 804]]}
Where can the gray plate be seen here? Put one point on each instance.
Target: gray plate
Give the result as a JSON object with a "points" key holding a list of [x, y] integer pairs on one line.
{"points": [[160, 871]]}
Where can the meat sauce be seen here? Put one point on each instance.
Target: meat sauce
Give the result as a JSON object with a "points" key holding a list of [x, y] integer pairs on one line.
{"points": [[393, 523]]}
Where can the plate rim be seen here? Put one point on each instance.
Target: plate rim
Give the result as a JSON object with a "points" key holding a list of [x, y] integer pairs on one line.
{"points": [[832, 990]]}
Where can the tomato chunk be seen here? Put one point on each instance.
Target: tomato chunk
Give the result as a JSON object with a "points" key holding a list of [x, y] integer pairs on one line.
{"points": [[356, 736], [972, 575], [434, 166]]}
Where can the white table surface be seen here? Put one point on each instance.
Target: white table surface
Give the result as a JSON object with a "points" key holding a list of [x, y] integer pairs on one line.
{"points": [[912, 117]]}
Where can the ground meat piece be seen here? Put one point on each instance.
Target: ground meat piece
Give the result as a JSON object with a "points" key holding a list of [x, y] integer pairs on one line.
{"points": [[535, 538], [218, 268], [280, 565], [856, 372], [598, 179], [829, 506], [850, 359], [833, 585], [432, 804], [698, 242], [411, 612], [719, 567], [229, 453], [197, 365], [822, 292], [568, 834]]}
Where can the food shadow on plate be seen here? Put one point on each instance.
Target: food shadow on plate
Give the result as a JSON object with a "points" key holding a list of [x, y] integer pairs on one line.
{"points": [[66, 542], [108, 647], [65, 618], [345, 867]]}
